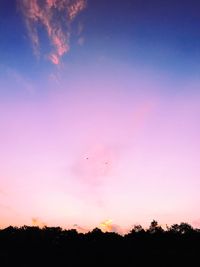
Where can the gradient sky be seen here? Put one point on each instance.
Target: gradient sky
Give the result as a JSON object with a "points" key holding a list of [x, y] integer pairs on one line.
{"points": [[99, 113]]}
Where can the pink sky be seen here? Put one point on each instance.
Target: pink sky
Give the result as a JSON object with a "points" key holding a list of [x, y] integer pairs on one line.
{"points": [[101, 151]]}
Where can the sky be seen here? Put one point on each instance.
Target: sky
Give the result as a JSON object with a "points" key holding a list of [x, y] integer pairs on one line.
{"points": [[99, 113]]}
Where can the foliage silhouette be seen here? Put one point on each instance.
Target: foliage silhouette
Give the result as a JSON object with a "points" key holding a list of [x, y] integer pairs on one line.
{"points": [[29, 246]]}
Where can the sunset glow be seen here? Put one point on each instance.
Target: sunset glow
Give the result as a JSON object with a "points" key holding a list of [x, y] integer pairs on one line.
{"points": [[99, 113]]}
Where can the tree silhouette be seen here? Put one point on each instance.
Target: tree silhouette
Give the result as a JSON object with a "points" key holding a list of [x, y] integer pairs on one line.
{"points": [[137, 229], [155, 228], [29, 246], [181, 228]]}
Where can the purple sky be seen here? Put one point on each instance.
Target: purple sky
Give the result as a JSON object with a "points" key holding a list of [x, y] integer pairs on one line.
{"points": [[99, 114]]}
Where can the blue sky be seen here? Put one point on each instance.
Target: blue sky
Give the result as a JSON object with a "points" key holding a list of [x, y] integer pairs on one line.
{"points": [[165, 35]]}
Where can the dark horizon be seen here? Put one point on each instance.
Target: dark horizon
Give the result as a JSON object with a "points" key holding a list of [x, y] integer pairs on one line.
{"points": [[52, 246]]}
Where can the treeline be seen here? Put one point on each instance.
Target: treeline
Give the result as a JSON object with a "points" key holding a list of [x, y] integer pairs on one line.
{"points": [[27, 246]]}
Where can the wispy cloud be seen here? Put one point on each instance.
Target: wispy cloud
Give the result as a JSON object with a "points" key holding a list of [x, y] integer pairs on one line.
{"points": [[55, 16]]}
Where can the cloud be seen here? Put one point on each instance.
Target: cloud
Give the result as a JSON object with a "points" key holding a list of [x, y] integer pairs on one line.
{"points": [[109, 226], [38, 222], [80, 229], [54, 58], [55, 16], [106, 226]]}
